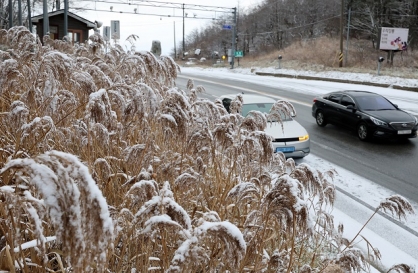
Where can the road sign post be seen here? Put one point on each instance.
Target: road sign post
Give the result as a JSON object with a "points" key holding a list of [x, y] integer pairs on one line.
{"points": [[115, 29], [239, 54]]}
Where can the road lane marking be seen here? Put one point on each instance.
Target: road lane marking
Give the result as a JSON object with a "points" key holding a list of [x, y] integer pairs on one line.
{"points": [[248, 90]]}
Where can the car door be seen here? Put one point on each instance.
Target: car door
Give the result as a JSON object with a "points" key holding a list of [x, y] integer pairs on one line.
{"points": [[348, 116], [331, 111]]}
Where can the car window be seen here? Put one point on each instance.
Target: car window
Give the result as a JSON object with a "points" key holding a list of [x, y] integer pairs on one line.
{"points": [[373, 103], [346, 101], [262, 107], [334, 98]]}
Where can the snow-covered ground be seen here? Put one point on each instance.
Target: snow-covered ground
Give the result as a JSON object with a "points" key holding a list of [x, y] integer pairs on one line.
{"points": [[396, 244]]}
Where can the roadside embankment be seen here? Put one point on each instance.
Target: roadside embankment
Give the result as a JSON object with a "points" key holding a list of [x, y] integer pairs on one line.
{"points": [[305, 77]]}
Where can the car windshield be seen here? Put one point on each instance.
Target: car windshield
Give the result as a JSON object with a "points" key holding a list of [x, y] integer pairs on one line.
{"points": [[374, 103], [262, 107]]}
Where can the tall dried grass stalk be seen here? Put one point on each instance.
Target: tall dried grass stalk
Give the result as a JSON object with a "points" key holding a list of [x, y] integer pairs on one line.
{"points": [[65, 195], [177, 183]]}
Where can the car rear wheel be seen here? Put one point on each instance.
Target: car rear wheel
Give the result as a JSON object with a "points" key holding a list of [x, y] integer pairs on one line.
{"points": [[363, 132], [320, 119]]}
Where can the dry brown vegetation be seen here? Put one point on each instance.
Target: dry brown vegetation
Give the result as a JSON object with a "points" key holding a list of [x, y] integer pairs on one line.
{"points": [[107, 166], [321, 54]]}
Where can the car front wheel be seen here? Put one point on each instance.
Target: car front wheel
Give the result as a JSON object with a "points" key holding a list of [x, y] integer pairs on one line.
{"points": [[363, 132], [320, 119]]}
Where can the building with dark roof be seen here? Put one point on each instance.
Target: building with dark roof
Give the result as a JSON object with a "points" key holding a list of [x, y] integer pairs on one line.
{"points": [[78, 27]]}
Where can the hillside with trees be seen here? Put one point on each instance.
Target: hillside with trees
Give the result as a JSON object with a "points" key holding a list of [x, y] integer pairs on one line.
{"points": [[275, 25]]}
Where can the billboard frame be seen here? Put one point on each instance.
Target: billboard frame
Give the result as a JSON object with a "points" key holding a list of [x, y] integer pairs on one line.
{"points": [[393, 39]]}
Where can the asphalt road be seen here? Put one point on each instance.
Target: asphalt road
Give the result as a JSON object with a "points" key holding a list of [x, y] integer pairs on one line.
{"points": [[392, 164]]}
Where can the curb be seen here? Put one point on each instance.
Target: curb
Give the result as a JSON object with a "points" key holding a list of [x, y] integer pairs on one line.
{"points": [[406, 88]]}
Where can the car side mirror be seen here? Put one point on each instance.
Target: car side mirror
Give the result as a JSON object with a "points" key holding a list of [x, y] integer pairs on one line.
{"points": [[351, 107]]}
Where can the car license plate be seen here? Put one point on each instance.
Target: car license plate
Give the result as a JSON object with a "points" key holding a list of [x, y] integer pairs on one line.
{"points": [[404, 132], [285, 149]]}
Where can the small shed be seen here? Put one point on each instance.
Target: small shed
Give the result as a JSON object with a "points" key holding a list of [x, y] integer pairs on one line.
{"points": [[78, 27]]}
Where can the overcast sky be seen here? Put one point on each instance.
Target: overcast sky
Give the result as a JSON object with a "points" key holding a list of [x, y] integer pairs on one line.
{"points": [[161, 28]]}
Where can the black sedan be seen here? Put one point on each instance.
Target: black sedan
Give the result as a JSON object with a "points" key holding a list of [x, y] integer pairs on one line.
{"points": [[370, 114]]}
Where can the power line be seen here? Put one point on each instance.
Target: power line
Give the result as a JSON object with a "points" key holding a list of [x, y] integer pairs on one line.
{"points": [[151, 14], [158, 4]]}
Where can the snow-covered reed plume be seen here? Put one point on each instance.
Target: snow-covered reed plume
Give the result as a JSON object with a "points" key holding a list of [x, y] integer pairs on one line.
{"points": [[188, 186], [60, 186]]}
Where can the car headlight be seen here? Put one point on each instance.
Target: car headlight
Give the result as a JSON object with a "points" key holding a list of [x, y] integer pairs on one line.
{"points": [[416, 120], [378, 122], [305, 137]]}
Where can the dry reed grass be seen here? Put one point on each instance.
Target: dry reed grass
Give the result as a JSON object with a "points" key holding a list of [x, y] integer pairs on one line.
{"points": [[107, 166], [321, 54]]}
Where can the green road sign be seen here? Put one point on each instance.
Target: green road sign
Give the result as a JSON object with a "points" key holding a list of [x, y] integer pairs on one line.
{"points": [[239, 54]]}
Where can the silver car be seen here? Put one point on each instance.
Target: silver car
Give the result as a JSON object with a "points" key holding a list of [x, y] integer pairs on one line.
{"points": [[292, 139]]}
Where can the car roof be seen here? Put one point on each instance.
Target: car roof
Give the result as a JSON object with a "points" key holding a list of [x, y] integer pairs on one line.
{"points": [[249, 98], [356, 93]]}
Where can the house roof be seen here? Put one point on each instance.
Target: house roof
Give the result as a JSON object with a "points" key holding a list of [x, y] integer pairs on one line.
{"points": [[35, 19]]}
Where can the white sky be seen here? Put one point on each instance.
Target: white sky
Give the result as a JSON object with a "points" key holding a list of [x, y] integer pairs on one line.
{"points": [[150, 28], [393, 242]]}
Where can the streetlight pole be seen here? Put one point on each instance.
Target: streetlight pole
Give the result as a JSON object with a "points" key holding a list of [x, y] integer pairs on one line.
{"points": [[234, 34]]}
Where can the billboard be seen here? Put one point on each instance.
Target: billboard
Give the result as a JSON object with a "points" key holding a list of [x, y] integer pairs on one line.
{"points": [[115, 29], [393, 38], [106, 33]]}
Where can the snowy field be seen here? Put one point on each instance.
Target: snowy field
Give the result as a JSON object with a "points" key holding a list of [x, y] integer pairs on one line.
{"points": [[395, 244]]}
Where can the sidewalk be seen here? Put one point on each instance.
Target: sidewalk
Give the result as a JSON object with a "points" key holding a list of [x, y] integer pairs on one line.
{"points": [[342, 80], [397, 243]]}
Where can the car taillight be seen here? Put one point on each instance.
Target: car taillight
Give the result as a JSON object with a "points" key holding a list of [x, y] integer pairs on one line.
{"points": [[314, 100]]}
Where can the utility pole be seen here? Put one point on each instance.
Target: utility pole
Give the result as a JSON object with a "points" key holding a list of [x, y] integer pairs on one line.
{"points": [[340, 56], [45, 19], [29, 17], [183, 32], [65, 17], [348, 35], [175, 49], [19, 11], [10, 14], [234, 35]]}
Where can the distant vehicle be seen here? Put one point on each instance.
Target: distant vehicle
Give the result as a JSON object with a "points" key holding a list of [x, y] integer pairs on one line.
{"points": [[203, 59], [370, 114], [292, 139], [191, 61]]}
